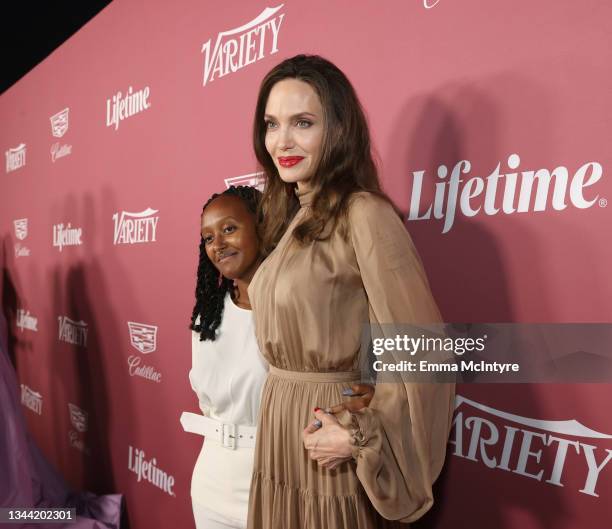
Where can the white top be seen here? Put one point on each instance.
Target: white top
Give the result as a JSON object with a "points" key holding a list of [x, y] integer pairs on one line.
{"points": [[227, 375]]}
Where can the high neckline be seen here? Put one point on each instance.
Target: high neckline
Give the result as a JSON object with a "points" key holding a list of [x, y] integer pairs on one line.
{"points": [[235, 305], [305, 197]]}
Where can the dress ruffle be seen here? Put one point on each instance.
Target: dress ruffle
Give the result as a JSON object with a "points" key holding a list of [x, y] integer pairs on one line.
{"points": [[288, 489], [299, 508]]}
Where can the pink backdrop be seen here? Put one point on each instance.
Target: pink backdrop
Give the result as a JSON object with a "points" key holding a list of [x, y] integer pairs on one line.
{"points": [[441, 82]]}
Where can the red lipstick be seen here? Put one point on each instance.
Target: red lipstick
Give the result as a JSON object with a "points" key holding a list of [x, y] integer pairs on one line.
{"points": [[290, 161]]}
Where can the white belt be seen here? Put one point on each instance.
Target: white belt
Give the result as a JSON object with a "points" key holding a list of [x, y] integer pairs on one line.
{"points": [[228, 435]]}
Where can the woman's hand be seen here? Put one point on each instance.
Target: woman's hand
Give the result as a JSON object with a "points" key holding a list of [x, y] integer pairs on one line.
{"points": [[329, 443], [361, 395]]}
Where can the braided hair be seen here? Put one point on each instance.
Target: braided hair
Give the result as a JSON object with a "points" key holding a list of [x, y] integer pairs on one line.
{"points": [[210, 287]]}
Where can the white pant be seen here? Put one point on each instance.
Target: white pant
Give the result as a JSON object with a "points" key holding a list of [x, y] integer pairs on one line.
{"points": [[207, 519], [220, 486]]}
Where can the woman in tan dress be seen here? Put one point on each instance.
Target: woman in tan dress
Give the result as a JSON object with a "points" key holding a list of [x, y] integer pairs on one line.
{"points": [[340, 257]]}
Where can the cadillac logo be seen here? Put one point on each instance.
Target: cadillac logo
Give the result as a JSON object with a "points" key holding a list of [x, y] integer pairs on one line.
{"points": [[59, 123], [78, 417], [21, 228], [143, 337], [256, 180]]}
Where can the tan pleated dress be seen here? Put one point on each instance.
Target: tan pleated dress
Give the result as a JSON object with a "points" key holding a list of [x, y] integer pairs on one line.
{"points": [[309, 304]]}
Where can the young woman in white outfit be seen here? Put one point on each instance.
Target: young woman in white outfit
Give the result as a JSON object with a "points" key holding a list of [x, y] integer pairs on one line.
{"points": [[228, 371]]}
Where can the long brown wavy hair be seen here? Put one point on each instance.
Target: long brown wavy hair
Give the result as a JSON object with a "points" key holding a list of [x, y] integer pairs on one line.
{"points": [[346, 164]]}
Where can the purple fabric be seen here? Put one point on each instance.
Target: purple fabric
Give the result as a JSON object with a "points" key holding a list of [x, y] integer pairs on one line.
{"points": [[26, 477]]}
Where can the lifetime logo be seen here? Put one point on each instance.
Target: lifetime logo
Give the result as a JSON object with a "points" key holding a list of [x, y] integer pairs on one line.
{"points": [[26, 321], [149, 471], [479, 439], [66, 236], [122, 107], [516, 195], [237, 48]]}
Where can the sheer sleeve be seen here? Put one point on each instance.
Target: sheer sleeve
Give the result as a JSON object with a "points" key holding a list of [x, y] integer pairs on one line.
{"points": [[404, 431]]}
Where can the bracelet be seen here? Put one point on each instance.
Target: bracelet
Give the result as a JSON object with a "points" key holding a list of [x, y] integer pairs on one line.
{"points": [[357, 437]]}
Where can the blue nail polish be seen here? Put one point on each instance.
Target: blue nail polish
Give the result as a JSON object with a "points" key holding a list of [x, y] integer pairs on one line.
{"points": [[317, 424], [347, 392]]}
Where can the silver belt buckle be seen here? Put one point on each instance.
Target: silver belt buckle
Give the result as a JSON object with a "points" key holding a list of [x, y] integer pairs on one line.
{"points": [[229, 436]]}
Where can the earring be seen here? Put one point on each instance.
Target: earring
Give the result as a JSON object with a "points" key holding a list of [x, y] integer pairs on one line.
{"points": [[220, 282]]}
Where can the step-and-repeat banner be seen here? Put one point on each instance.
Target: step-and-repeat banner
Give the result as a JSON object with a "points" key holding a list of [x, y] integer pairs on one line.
{"points": [[491, 121]]}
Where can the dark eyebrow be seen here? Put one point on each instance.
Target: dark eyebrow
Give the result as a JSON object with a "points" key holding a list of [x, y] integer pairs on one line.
{"points": [[294, 115], [222, 220]]}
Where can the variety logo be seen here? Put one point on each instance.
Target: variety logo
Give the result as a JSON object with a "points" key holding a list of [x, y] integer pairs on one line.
{"points": [[31, 399], [21, 228], [516, 197], [132, 228], [15, 158], [59, 123], [236, 48], [143, 337], [256, 180], [479, 439], [148, 470], [121, 107], [26, 321], [73, 332], [66, 236]]}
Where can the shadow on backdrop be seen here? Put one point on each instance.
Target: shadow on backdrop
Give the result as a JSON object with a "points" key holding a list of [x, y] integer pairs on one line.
{"points": [[470, 283]]}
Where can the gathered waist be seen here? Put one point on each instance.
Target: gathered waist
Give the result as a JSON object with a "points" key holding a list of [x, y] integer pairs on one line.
{"points": [[316, 376]]}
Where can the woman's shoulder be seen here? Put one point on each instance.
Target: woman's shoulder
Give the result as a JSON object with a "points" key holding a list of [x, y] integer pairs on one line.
{"points": [[365, 206], [364, 196]]}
